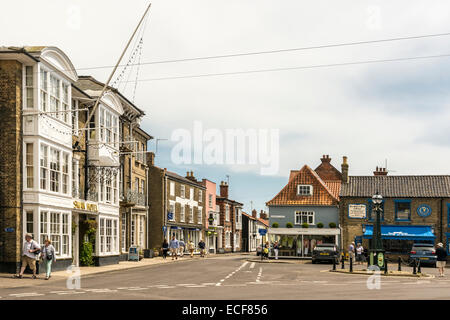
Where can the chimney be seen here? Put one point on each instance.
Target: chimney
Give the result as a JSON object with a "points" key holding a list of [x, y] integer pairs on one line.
{"points": [[344, 170], [150, 159], [223, 189], [254, 213], [325, 158], [380, 172], [190, 176], [263, 215]]}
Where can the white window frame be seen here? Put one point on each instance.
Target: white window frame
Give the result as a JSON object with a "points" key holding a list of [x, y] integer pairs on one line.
{"points": [[172, 188], [301, 190], [182, 213], [310, 216], [199, 215], [200, 195], [56, 226], [29, 165], [29, 87], [183, 191], [227, 212]]}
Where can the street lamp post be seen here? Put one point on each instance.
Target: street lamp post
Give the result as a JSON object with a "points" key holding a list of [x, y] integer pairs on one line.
{"points": [[377, 254]]}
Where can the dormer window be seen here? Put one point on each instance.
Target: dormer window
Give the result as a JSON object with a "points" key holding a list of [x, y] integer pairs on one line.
{"points": [[304, 190]]}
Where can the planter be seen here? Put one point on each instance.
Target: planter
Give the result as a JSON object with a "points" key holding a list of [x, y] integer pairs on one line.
{"points": [[148, 253]]}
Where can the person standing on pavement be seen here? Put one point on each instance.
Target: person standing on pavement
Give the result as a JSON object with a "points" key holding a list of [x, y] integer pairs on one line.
{"points": [[174, 246], [275, 249], [266, 250], [182, 247], [191, 248], [30, 251], [351, 251], [165, 248], [202, 246], [441, 258], [359, 253], [48, 255]]}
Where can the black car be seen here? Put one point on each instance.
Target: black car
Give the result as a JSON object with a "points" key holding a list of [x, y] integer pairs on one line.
{"points": [[325, 252]]}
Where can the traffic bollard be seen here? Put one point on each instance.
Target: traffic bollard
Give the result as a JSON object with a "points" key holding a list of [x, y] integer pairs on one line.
{"points": [[343, 266], [334, 264], [351, 264], [385, 266], [399, 264], [414, 267]]}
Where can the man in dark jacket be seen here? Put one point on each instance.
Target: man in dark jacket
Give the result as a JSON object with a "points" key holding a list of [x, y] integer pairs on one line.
{"points": [[202, 246], [441, 258]]}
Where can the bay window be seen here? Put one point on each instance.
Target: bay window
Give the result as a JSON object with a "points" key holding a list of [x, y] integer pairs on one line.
{"points": [[29, 165], [54, 170], [44, 90], [29, 86], [44, 167], [65, 174], [43, 226], [55, 95], [65, 103]]}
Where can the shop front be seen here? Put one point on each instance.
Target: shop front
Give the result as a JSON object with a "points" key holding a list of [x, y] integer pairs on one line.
{"points": [[185, 234], [398, 239], [300, 242]]}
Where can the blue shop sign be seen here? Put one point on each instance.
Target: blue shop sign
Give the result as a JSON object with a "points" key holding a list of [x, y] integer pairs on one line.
{"points": [[9, 229], [169, 215]]}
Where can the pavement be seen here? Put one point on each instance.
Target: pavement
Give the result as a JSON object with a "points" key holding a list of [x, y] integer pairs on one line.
{"points": [[229, 277]]}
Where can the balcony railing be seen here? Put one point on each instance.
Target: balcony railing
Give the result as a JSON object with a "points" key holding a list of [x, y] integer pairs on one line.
{"points": [[79, 194], [133, 198]]}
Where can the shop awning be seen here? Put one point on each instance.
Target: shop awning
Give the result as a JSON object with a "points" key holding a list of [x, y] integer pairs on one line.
{"points": [[402, 232]]}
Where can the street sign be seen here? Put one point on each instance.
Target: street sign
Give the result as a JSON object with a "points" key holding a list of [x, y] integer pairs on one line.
{"points": [[262, 231], [9, 229]]}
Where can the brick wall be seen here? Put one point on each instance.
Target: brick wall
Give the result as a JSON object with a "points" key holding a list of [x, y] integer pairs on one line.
{"points": [[10, 164], [353, 227]]}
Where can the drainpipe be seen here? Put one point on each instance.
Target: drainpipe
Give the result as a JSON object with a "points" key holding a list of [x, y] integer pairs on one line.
{"points": [[441, 238], [146, 206]]}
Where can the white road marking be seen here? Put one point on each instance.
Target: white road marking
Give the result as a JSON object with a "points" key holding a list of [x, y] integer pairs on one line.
{"points": [[137, 289], [67, 292], [26, 294], [208, 283], [252, 265], [186, 284], [258, 277], [196, 286], [167, 287], [101, 290]]}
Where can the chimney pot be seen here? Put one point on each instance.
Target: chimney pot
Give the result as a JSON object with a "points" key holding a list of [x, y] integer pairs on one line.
{"points": [[344, 170]]}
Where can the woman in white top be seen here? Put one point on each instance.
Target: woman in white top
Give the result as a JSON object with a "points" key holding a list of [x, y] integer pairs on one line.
{"points": [[48, 255]]}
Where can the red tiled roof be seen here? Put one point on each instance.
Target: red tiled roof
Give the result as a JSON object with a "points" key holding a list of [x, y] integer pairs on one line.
{"points": [[263, 221], [324, 193]]}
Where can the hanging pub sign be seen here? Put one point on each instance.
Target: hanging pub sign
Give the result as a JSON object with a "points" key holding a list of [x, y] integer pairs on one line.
{"points": [[357, 211], [81, 205]]}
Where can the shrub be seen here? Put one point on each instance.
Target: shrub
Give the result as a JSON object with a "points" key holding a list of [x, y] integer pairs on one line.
{"points": [[275, 225], [305, 225], [332, 225], [86, 258], [289, 225], [320, 225]]}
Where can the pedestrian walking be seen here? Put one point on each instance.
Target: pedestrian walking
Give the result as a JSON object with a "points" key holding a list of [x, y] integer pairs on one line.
{"points": [[360, 253], [48, 256], [165, 248], [441, 258], [351, 251], [30, 251], [202, 247], [275, 249], [191, 248], [174, 245], [182, 248]]}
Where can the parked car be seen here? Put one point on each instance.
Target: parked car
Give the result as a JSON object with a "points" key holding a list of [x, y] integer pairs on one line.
{"points": [[423, 252], [326, 252]]}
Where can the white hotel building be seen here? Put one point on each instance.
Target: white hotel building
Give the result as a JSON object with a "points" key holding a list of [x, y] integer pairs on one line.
{"points": [[53, 201]]}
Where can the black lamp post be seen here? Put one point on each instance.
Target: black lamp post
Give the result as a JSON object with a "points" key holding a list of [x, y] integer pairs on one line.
{"points": [[377, 256]]}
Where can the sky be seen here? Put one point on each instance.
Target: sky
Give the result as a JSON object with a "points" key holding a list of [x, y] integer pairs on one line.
{"points": [[372, 113]]}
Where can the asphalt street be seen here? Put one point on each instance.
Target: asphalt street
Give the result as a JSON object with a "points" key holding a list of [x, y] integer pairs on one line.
{"points": [[232, 278]]}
